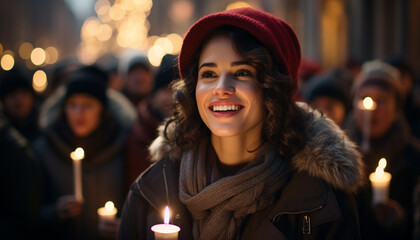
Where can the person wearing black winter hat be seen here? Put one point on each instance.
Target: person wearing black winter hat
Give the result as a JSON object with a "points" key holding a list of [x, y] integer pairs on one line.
{"points": [[20, 103], [329, 93], [85, 119], [239, 158]]}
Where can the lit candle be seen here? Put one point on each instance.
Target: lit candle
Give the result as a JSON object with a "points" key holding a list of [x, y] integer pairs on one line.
{"points": [[367, 105], [107, 212], [77, 156], [166, 230], [380, 182]]}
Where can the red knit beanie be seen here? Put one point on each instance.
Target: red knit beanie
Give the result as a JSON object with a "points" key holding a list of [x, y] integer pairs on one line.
{"points": [[274, 33]]}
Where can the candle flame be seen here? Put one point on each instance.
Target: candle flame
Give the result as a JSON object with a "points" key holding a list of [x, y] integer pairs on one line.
{"points": [[380, 169], [167, 215], [368, 103], [109, 206], [382, 163], [77, 154]]}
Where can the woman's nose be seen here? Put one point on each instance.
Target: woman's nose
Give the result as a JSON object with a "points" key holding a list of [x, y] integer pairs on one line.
{"points": [[224, 86]]}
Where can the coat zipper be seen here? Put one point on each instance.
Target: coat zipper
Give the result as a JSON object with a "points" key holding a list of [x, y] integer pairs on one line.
{"points": [[166, 189], [306, 221]]}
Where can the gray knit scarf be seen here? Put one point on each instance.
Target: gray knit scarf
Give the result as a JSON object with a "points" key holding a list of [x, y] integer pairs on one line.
{"points": [[219, 205]]}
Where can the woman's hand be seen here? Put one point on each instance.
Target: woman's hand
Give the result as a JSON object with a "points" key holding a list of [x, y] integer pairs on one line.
{"points": [[389, 213], [68, 207], [108, 228]]}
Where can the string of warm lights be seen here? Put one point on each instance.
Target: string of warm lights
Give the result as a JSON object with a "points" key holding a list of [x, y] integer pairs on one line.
{"points": [[34, 57], [118, 26], [123, 25]]}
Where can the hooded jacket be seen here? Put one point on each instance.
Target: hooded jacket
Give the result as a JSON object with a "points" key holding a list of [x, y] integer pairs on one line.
{"points": [[316, 202], [103, 168]]}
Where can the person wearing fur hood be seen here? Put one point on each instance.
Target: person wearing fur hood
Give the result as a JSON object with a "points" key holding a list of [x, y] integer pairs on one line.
{"points": [[83, 115], [240, 159]]}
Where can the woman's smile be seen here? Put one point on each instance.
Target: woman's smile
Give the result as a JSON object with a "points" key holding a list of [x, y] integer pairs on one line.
{"points": [[229, 98]]}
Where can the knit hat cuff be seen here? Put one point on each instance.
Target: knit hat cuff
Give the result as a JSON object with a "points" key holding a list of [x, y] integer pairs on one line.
{"points": [[273, 32]]}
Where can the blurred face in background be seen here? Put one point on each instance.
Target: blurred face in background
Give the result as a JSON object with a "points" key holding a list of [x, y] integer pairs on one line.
{"points": [[83, 113], [333, 108], [139, 81], [383, 116], [19, 103]]}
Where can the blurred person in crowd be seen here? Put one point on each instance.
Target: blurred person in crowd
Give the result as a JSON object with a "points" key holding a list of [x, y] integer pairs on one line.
{"points": [[390, 138], [84, 119], [20, 103], [240, 159], [308, 68], [151, 112], [329, 93], [411, 91], [50, 108], [137, 74], [19, 201]]}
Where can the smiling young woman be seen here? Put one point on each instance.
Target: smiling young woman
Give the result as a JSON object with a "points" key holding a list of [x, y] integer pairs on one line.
{"points": [[240, 159]]}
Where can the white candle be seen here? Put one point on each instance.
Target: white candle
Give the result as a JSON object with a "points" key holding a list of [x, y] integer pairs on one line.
{"points": [[166, 230], [380, 183], [77, 156], [367, 105], [108, 211]]}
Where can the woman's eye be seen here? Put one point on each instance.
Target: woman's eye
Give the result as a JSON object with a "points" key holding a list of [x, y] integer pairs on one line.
{"points": [[208, 74], [243, 73]]}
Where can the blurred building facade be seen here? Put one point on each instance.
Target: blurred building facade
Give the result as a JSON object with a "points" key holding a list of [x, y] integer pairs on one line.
{"points": [[41, 23], [331, 31]]}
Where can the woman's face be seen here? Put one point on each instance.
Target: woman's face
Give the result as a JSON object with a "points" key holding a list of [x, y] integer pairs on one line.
{"points": [[229, 98], [83, 114], [383, 116]]}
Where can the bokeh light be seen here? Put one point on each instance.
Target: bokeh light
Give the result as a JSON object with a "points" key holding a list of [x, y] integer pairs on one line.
{"points": [[51, 55], [176, 40], [102, 6], [25, 50], [90, 28], [181, 11], [1, 48], [7, 62], [166, 44], [119, 25], [117, 12], [38, 56], [239, 4], [105, 32], [39, 81], [155, 55]]}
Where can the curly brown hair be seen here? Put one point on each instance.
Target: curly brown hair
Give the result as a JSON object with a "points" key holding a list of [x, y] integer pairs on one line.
{"points": [[283, 123]]}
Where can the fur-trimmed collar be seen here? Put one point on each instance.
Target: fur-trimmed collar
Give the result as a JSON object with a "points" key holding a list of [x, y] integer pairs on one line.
{"points": [[328, 153]]}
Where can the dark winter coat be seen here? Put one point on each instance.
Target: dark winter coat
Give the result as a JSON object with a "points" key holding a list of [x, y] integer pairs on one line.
{"points": [[103, 170], [316, 202], [19, 199]]}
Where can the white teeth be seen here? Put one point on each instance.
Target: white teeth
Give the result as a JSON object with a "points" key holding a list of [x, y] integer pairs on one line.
{"points": [[225, 108]]}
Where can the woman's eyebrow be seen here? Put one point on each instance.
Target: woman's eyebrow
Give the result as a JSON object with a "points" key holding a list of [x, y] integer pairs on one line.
{"points": [[208, 64], [240, 63]]}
